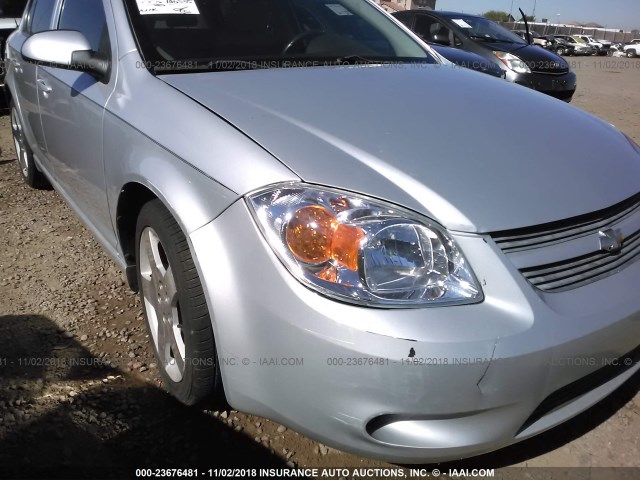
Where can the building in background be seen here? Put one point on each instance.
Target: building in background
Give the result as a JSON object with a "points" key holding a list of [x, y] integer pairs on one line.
{"points": [[399, 5]]}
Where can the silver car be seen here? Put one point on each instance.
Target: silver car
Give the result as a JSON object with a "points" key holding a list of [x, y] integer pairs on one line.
{"points": [[330, 228]]}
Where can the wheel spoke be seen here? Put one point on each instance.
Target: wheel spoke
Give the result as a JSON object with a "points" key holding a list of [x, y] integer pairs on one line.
{"points": [[151, 247], [164, 339], [148, 290], [178, 354]]}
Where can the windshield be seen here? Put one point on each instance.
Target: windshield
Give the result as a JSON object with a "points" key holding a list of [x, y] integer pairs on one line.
{"points": [[242, 34], [479, 28]]}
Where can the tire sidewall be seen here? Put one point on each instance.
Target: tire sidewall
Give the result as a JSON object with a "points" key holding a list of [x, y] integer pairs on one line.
{"points": [[149, 218]]}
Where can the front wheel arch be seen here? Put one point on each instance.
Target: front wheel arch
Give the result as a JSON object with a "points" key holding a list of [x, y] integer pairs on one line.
{"points": [[175, 307], [133, 196]]}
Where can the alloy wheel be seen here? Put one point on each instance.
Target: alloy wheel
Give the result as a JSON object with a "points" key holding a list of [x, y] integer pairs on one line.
{"points": [[161, 304], [19, 142]]}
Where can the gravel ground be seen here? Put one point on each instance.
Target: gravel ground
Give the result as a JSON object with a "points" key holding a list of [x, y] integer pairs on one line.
{"points": [[80, 393]]}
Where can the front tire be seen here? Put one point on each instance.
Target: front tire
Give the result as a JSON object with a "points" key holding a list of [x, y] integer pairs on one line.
{"points": [[175, 308], [30, 173], [631, 53], [561, 51]]}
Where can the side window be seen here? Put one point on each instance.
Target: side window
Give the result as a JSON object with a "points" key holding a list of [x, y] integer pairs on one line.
{"points": [[431, 30], [87, 17], [40, 15], [422, 26], [12, 8], [406, 19]]}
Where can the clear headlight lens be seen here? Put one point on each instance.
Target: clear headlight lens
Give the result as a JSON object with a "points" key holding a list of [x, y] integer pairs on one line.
{"points": [[361, 250], [514, 63]]}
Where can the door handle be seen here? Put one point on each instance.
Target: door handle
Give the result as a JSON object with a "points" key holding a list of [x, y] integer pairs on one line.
{"points": [[44, 86]]}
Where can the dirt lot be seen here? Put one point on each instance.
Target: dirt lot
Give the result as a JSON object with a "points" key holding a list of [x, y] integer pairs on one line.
{"points": [[80, 394]]}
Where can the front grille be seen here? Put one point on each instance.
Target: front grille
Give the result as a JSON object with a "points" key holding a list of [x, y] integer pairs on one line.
{"points": [[587, 262], [585, 269]]}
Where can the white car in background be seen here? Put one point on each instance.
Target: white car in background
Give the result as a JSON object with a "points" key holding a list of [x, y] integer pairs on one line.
{"points": [[534, 38], [632, 50]]}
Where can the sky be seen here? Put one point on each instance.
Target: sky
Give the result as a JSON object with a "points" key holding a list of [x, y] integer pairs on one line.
{"points": [[624, 14]]}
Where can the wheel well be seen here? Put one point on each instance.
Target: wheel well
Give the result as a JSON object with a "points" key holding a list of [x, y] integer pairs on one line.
{"points": [[131, 200]]}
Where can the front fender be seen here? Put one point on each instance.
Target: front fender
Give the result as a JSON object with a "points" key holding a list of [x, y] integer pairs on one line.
{"points": [[193, 198]]}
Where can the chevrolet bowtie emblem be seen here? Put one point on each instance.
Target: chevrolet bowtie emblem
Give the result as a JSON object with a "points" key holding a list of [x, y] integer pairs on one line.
{"points": [[610, 240]]}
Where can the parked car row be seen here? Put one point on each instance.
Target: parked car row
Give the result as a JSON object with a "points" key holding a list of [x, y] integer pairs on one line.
{"points": [[580, 46], [599, 47], [495, 46], [561, 46], [567, 45]]}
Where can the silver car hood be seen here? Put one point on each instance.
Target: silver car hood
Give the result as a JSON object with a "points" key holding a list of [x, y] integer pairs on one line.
{"points": [[475, 153]]}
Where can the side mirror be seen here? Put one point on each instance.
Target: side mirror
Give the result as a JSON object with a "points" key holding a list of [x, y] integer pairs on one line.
{"points": [[65, 49]]}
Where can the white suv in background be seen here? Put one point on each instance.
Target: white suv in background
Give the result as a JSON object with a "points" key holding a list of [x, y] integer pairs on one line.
{"points": [[632, 50]]}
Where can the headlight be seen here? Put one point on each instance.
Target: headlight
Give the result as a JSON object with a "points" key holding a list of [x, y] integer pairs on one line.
{"points": [[514, 63], [361, 250]]}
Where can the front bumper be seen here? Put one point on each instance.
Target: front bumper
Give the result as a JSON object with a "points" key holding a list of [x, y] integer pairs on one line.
{"points": [[414, 385], [562, 87]]}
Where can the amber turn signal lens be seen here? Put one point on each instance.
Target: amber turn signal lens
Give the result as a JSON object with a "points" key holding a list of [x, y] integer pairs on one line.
{"points": [[346, 244], [309, 234], [314, 236]]}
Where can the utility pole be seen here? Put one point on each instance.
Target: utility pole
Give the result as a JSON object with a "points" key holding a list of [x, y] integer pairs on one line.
{"points": [[535, 2]]}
